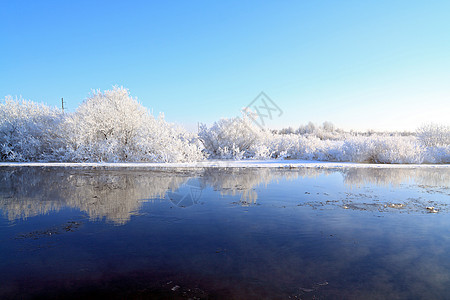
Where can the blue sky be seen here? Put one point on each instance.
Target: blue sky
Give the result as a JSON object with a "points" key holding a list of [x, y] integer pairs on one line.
{"points": [[359, 64]]}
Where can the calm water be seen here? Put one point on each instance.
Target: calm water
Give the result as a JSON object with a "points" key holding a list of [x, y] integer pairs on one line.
{"points": [[226, 234]]}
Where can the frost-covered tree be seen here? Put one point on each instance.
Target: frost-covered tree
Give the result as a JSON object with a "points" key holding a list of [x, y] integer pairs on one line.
{"points": [[110, 126], [105, 126], [113, 126], [328, 126], [29, 131]]}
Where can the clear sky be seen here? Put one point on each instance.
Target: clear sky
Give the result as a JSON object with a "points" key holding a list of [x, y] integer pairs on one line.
{"points": [[359, 64]]}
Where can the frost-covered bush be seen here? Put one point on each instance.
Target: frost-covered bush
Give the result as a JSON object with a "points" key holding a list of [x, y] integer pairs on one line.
{"points": [[109, 127], [113, 126], [236, 139], [436, 139], [230, 138], [437, 155], [29, 131], [434, 135], [383, 149], [239, 138]]}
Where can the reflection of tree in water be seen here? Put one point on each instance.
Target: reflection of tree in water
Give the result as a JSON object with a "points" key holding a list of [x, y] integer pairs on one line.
{"points": [[187, 195], [424, 180], [234, 181], [244, 181], [117, 194], [113, 195], [395, 176]]}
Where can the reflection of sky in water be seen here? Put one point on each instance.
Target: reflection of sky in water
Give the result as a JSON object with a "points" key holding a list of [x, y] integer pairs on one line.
{"points": [[354, 233]]}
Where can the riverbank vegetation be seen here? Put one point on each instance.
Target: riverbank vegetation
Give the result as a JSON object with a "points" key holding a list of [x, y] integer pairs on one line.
{"points": [[112, 126]]}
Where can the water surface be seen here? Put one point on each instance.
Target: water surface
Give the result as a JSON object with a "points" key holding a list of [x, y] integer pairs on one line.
{"points": [[224, 233]]}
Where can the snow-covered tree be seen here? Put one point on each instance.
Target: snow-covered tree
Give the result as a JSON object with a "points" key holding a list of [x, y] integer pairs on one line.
{"points": [[29, 131], [113, 126]]}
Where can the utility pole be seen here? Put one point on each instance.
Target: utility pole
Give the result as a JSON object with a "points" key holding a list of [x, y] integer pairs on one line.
{"points": [[62, 104]]}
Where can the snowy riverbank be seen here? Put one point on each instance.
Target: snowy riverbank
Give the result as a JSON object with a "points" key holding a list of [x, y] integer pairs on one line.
{"points": [[227, 164]]}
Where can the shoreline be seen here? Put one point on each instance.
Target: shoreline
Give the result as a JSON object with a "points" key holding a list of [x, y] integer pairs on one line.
{"points": [[289, 164]]}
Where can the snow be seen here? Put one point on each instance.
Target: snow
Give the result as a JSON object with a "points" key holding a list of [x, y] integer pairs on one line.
{"points": [[114, 127], [238, 138], [228, 164]]}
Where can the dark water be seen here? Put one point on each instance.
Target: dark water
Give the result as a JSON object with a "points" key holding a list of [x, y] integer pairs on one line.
{"points": [[224, 234]]}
